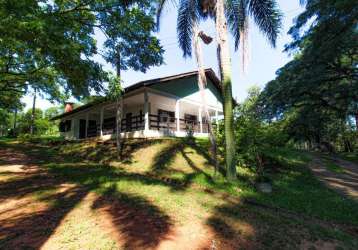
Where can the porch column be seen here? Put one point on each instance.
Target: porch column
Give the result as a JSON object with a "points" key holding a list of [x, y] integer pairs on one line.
{"points": [[101, 123], [73, 120], [146, 111], [87, 117], [177, 114], [200, 120], [217, 119]]}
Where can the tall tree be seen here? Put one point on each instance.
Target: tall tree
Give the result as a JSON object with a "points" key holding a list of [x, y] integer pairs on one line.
{"points": [[317, 92], [114, 93], [33, 114], [229, 15], [51, 44], [202, 84]]}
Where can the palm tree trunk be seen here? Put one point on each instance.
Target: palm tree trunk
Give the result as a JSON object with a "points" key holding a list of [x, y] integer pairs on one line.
{"points": [[225, 71], [32, 125], [202, 82]]}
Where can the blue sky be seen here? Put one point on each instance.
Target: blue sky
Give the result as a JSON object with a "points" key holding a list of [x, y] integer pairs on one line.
{"points": [[263, 63]]}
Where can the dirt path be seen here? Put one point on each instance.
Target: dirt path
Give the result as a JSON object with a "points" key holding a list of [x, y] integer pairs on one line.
{"points": [[346, 182]]}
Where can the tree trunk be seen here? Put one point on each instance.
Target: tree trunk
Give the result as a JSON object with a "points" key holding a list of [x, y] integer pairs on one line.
{"points": [[119, 115], [202, 82], [15, 117], [118, 125], [225, 71], [32, 125]]}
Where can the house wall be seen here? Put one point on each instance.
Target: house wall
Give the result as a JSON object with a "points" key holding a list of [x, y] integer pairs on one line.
{"points": [[160, 96], [70, 135], [160, 102], [187, 88], [134, 109]]}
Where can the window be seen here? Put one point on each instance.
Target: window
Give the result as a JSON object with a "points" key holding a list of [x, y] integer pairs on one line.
{"points": [[65, 126], [166, 116], [190, 118]]}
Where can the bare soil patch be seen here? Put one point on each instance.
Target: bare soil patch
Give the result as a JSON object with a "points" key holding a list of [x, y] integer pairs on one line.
{"points": [[345, 183]]}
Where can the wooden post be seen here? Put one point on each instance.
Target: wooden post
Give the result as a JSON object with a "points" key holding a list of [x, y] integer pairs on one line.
{"points": [[217, 120], [73, 132], [101, 123], [146, 111], [87, 117], [177, 114], [200, 120]]}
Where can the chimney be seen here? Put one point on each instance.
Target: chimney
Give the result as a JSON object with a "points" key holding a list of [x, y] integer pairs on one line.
{"points": [[68, 106]]}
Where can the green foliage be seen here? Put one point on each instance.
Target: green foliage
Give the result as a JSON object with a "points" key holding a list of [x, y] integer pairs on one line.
{"points": [[5, 121], [316, 94], [296, 189], [334, 167], [130, 42], [114, 90], [50, 45], [349, 156], [228, 16], [41, 139], [254, 136], [24, 122], [42, 123]]}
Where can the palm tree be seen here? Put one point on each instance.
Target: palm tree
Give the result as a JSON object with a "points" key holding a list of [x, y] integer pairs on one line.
{"points": [[202, 82], [229, 15]]}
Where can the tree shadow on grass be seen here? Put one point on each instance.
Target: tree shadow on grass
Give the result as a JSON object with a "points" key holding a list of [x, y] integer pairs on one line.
{"points": [[162, 165], [141, 224], [189, 178], [163, 159], [245, 227], [106, 151], [252, 227], [30, 227]]}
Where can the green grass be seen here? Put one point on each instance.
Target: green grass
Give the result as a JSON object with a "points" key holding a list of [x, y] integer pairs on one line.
{"points": [[353, 156], [296, 189], [174, 182], [334, 167], [6, 139]]}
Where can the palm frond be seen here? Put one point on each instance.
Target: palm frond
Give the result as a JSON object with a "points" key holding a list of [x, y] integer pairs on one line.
{"points": [[267, 17], [160, 6], [188, 16], [303, 2], [236, 14]]}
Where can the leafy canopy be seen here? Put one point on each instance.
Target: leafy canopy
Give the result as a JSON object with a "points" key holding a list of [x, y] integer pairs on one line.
{"points": [[50, 45], [317, 92]]}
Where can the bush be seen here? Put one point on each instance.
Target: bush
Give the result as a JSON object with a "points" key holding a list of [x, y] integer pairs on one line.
{"points": [[41, 139], [254, 137]]}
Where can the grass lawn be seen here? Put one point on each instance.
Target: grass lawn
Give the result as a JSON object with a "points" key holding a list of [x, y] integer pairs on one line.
{"points": [[334, 167], [161, 194], [349, 156], [296, 189]]}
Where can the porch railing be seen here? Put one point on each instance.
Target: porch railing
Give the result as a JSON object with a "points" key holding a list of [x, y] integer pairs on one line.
{"points": [[159, 123], [156, 122], [170, 124], [133, 123]]}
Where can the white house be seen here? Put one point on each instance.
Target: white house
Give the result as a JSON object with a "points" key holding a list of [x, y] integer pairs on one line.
{"points": [[168, 106]]}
